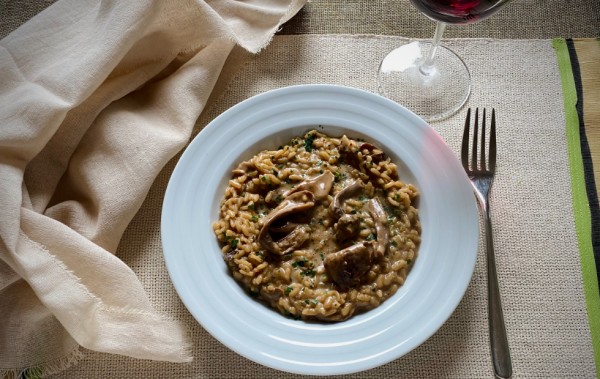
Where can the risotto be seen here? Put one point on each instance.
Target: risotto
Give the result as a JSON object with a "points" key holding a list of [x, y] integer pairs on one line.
{"points": [[321, 228]]}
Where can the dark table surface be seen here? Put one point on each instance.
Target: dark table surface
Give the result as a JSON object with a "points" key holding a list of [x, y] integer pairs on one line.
{"points": [[520, 19]]}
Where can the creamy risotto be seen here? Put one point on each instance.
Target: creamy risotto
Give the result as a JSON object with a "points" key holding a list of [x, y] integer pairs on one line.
{"points": [[321, 228]]}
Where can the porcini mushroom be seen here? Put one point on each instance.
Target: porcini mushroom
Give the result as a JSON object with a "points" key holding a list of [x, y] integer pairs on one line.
{"points": [[319, 186], [379, 217], [347, 267], [296, 236], [352, 189]]}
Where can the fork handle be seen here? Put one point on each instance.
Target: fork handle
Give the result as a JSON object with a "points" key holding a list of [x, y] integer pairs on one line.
{"points": [[498, 338]]}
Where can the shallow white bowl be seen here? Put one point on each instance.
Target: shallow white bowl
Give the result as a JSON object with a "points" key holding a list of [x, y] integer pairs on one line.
{"points": [[433, 289]]}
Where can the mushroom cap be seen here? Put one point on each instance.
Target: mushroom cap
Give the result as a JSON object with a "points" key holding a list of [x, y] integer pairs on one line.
{"points": [[319, 186], [348, 266], [297, 202]]}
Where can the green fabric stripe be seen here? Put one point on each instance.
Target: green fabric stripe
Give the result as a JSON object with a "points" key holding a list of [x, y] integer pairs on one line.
{"points": [[580, 203]]}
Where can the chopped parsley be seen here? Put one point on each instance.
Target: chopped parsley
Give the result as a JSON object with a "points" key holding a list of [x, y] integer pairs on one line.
{"points": [[371, 237], [288, 290], [337, 175], [308, 142], [232, 241], [305, 267], [309, 272], [300, 263]]}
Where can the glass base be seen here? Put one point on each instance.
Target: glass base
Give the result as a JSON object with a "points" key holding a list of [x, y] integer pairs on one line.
{"points": [[432, 94]]}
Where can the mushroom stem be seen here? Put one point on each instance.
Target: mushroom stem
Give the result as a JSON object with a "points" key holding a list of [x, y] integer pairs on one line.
{"points": [[379, 217], [347, 192]]}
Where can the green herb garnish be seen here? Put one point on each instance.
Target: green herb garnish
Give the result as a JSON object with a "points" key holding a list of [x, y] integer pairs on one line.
{"points": [[308, 142], [299, 263], [309, 272]]}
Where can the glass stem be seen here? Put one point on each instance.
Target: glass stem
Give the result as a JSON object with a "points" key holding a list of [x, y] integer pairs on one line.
{"points": [[427, 65]]}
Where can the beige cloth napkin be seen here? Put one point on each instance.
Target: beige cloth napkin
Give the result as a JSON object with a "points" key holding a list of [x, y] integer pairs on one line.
{"points": [[95, 98]]}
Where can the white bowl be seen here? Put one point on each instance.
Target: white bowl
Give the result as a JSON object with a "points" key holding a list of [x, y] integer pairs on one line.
{"points": [[434, 286]]}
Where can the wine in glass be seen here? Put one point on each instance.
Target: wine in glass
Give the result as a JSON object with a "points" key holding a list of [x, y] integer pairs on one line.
{"points": [[428, 78]]}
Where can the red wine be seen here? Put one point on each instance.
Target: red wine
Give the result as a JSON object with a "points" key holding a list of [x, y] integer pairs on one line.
{"points": [[458, 11]]}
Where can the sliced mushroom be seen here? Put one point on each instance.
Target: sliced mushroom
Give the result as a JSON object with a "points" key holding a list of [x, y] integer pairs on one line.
{"points": [[293, 240], [319, 186], [351, 190], [295, 203], [285, 227], [347, 267], [378, 215], [347, 227], [348, 155], [376, 154], [351, 157]]}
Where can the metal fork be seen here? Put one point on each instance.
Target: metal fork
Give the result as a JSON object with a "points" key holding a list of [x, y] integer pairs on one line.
{"points": [[482, 176]]}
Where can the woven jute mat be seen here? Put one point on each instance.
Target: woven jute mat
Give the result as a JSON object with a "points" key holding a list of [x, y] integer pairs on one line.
{"points": [[533, 221]]}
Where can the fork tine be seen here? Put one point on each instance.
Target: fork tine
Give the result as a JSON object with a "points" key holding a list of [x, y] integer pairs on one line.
{"points": [[492, 162], [482, 161], [475, 133], [464, 151]]}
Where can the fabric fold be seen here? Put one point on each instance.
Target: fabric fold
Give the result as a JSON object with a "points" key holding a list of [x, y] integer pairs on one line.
{"points": [[95, 98]]}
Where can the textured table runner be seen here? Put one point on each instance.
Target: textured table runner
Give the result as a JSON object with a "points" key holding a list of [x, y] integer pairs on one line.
{"points": [[533, 216]]}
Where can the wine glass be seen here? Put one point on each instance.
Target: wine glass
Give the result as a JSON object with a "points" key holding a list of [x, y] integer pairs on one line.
{"points": [[426, 77]]}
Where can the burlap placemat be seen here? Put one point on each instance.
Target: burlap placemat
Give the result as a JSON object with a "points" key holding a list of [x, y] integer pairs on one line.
{"points": [[535, 241], [519, 19]]}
